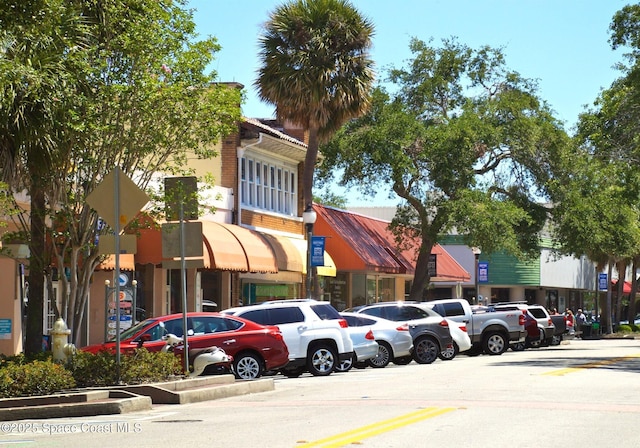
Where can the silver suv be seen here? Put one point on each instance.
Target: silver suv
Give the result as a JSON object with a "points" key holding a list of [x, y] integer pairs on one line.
{"points": [[315, 333]]}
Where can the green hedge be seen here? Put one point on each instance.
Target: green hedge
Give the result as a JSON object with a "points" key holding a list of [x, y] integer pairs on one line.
{"points": [[139, 367], [33, 378], [21, 376]]}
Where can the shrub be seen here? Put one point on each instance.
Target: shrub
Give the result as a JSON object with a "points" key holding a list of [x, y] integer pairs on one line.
{"points": [[19, 379], [624, 328], [140, 366]]}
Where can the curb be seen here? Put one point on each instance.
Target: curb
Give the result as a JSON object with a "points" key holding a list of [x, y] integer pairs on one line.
{"points": [[85, 404], [124, 399]]}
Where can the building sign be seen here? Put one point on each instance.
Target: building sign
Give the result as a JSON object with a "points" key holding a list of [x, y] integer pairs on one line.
{"points": [[317, 251], [5, 328], [432, 266], [483, 272], [602, 282]]}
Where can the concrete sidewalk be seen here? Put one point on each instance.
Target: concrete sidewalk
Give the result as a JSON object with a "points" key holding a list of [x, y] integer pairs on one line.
{"points": [[124, 399]]}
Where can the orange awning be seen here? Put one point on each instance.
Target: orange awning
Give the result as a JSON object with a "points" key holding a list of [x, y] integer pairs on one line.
{"points": [[287, 255], [224, 251], [127, 263], [259, 254]]}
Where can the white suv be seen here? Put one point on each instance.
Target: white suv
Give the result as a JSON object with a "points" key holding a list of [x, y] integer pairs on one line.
{"points": [[315, 333]]}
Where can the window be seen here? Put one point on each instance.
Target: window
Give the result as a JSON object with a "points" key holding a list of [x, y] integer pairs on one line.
{"points": [[453, 309], [286, 315], [268, 184]]}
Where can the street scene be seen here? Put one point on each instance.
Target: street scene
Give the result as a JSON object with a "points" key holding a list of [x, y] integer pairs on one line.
{"points": [[582, 391], [431, 237]]}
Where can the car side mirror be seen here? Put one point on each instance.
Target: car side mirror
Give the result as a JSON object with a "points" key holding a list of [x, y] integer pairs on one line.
{"points": [[144, 338]]}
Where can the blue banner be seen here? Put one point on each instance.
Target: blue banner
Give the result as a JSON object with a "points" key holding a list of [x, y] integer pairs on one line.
{"points": [[602, 282], [317, 251], [483, 272]]}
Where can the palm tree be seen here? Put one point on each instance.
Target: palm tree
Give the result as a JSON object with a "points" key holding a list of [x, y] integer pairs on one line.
{"points": [[36, 77], [316, 70]]}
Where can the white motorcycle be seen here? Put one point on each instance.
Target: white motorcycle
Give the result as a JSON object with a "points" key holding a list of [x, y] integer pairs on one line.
{"points": [[200, 358]]}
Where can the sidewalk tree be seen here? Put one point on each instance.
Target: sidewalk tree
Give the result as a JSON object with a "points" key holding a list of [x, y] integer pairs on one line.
{"points": [[136, 95], [316, 70], [464, 142]]}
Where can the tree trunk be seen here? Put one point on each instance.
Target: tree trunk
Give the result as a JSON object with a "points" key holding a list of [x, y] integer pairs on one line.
{"points": [[631, 311], [421, 278], [309, 167], [36, 272]]}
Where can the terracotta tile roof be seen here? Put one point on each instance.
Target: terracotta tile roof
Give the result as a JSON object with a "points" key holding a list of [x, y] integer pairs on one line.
{"points": [[358, 242]]}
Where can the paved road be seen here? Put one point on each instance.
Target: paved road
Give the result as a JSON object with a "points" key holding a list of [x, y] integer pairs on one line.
{"points": [[579, 394]]}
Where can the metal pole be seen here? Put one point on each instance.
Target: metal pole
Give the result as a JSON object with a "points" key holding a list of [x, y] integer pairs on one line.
{"points": [[477, 257], [116, 213], [309, 268], [183, 274]]}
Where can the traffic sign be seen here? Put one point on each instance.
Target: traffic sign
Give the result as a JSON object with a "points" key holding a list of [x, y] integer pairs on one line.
{"points": [[131, 198]]}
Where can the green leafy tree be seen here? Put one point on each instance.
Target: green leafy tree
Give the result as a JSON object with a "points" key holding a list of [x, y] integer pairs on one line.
{"points": [[316, 70], [137, 96], [597, 192], [464, 142]]}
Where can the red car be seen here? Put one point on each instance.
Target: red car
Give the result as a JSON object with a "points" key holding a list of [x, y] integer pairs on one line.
{"points": [[255, 348]]}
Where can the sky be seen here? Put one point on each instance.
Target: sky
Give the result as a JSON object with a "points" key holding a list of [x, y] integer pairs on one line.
{"points": [[563, 44]]}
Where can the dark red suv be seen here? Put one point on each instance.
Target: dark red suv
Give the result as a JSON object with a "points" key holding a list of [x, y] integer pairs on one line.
{"points": [[255, 348]]}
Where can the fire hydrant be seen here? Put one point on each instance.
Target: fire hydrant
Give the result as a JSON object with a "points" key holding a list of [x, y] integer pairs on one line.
{"points": [[60, 345]]}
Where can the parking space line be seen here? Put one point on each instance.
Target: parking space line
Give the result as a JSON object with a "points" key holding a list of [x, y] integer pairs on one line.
{"points": [[378, 428], [590, 365]]}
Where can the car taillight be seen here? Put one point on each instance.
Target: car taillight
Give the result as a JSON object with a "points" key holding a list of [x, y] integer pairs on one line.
{"points": [[403, 327], [550, 322], [463, 328], [277, 334], [444, 323], [521, 318], [369, 336], [343, 323]]}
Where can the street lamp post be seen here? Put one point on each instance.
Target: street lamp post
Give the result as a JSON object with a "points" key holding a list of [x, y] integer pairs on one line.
{"points": [[309, 218], [476, 253]]}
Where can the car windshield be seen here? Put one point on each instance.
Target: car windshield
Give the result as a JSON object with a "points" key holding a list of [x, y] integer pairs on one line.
{"points": [[129, 332]]}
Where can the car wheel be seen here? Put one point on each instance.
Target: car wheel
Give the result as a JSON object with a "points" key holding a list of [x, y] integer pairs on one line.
{"points": [[495, 344], [518, 346], [247, 366], [449, 353], [346, 365], [322, 360], [292, 372], [556, 340], [425, 350], [403, 360], [383, 358]]}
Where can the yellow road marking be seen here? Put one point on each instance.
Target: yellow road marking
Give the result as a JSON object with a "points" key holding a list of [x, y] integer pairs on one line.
{"points": [[378, 428], [590, 365]]}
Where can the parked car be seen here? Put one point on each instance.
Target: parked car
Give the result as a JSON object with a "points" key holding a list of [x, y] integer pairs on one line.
{"points": [[365, 347], [535, 335], [490, 331], [429, 330], [461, 339], [315, 333], [255, 348], [394, 339], [539, 313]]}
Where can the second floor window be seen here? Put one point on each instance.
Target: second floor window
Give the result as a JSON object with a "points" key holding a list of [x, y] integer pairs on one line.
{"points": [[268, 185]]}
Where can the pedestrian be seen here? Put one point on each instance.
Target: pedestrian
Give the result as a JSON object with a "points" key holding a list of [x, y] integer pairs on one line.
{"points": [[570, 321], [581, 318]]}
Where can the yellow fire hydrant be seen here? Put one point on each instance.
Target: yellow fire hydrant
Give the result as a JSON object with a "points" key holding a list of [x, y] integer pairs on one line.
{"points": [[59, 342]]}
